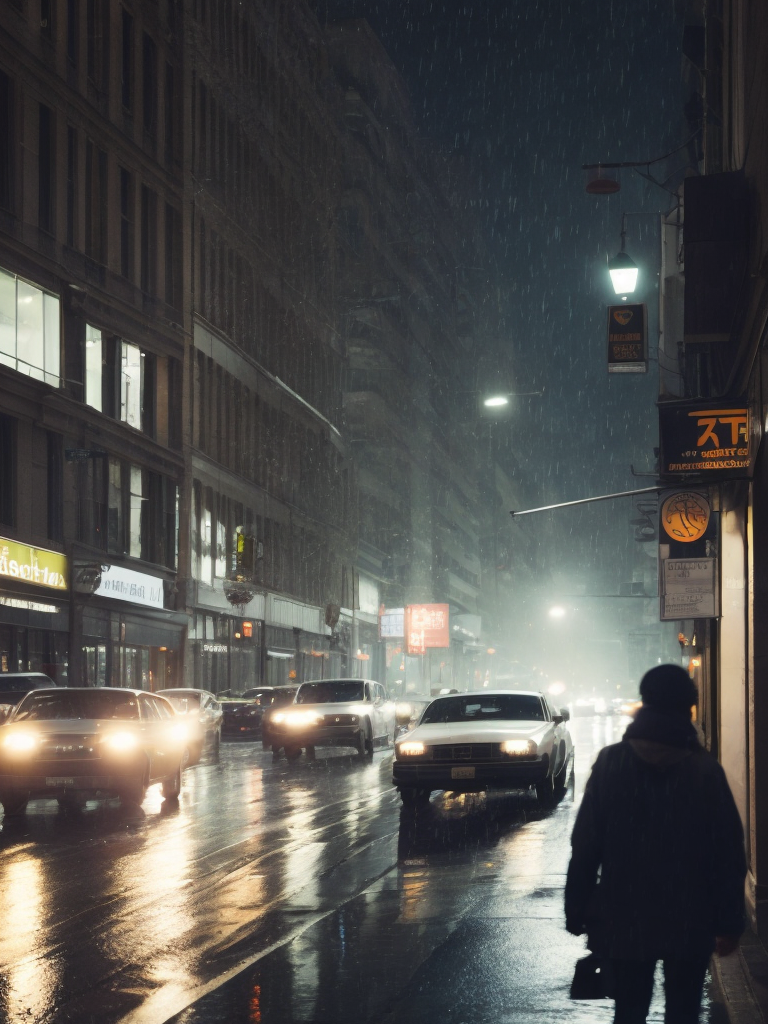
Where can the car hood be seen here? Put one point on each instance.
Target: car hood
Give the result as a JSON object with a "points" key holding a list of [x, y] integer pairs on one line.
{"points": [[478, 732]]}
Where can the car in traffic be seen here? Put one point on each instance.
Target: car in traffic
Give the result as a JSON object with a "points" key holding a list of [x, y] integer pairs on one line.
{"points": [[408, 711], [353, 713], [202, 715], [77, 743], [243, 712], [492, 739], [281, 696], [16, 685]]}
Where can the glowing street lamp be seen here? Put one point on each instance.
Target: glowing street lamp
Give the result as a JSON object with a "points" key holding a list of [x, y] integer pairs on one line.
{"points": [[622, 268], [557, 612]]}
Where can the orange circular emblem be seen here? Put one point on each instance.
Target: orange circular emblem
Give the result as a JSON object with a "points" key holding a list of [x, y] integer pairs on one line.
{"points": [[685, 516]]}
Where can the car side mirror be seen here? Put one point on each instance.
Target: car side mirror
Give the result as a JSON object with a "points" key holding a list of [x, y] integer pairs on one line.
{"points": [[566, 714], [558, 719]]}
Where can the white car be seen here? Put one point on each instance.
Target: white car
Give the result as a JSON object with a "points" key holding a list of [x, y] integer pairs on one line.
{"points": [[492, 739], [334, 712]]}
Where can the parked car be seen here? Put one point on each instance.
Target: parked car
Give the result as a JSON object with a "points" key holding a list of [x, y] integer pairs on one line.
{"points": [[73, 743], [281, 695], [493, 739], [16, 685], [335, 712], [203, 716]]}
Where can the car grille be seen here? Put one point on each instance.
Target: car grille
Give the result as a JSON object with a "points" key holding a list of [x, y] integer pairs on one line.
{"points": [[467, 752], [67, 748], [339, 719]]}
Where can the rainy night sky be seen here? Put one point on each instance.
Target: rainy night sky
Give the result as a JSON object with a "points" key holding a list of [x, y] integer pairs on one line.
{"points": [[535, 90]]}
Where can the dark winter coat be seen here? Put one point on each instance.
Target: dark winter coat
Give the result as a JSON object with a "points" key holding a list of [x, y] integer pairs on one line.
{"points": [[660, 825]]}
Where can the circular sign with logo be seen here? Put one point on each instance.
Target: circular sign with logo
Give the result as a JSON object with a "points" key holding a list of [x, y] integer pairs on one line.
{"points": [[685, 516]]}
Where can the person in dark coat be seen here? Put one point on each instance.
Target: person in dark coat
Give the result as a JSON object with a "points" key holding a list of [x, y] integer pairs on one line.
{"points": [[657, 868]]}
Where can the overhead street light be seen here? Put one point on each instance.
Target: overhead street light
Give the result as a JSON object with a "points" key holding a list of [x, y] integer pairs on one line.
{"points": [[500, 400], [622, 268]]}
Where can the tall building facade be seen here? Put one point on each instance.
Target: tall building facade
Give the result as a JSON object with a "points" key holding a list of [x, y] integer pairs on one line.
{"points": [[92, 330]]}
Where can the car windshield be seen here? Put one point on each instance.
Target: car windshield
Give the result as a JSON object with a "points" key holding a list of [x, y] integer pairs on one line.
{"points": [[283, 696], [477, 707], [262, 696], [22, 685], [330, 692], [69, 704], [184, 702]]}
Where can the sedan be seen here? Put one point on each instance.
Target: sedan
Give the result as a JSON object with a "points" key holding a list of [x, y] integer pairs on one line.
{"points": [[202, 715], [494, 739], [242, 714], [79, 743], [15, 685], [335, 713]]}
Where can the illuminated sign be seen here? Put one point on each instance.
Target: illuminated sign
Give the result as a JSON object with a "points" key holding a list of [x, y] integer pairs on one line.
{"points": [[706, 438], [426, 625], [627, 348], [391, 623], [38, 566], [685, 516], [128, 585]]}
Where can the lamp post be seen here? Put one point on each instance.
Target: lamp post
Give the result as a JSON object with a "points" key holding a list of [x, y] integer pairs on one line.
{"points": [[622, 267]]}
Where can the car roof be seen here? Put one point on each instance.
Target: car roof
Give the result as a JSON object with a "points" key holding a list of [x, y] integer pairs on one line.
{"points": [[490, 693], [98, 689], [181, 690], [338, 679], [24, 675]]}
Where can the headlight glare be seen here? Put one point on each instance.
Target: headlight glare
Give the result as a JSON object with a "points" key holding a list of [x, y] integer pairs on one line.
{"points": [[279, 716], [411, 749], [20, 742], [120, 742], [296, 719], [521, 748]]}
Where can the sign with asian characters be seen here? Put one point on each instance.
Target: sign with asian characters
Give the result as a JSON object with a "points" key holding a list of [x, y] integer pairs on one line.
{"points": [[128, 585], [627, 339], [391, 623], [426, 625], [38, 566], [689, 589], [707, 438]]}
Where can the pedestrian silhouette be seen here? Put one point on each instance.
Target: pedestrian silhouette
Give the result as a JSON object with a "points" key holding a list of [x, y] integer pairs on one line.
{"points": [[657, 867]]}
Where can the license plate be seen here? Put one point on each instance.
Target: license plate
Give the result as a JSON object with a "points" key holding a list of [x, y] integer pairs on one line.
{"points": [[462, 773], [59, 780]]}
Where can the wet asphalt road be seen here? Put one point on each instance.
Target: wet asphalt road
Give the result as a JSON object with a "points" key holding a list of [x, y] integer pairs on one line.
{"points": [[299, 893]]}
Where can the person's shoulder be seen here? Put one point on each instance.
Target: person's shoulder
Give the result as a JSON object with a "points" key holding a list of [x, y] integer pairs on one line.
{"points": [[609, 757]]}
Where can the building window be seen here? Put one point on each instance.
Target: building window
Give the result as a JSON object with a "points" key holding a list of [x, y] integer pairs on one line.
{"points": [[149, 80], [94, 360], [72, 30], [91, 493], [126, 224], [170, 113], [46, 19], [29, 329], [148, 240], [137, 520], [126, 81], [131, 385], [95, 12], [96, 206], [8, 148], [45, 171], [71, 184], [55, 486], [172, 257], [7, 470], [115, 517]]}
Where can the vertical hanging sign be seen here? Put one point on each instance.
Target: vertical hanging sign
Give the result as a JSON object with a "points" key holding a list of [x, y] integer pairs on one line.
{"points": [[627, 338]]}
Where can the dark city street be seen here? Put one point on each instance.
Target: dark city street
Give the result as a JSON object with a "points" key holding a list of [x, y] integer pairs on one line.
{"points": [[280, 893]]}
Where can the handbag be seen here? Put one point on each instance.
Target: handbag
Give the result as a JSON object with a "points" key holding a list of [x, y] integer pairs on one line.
{"points": [[589, 980]]}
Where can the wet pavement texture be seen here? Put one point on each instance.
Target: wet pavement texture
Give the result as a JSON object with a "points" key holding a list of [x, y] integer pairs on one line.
{"points": [[300, 893]]}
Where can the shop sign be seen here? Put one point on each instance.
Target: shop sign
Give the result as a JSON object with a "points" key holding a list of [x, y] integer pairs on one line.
{"points": [[426, 626], [215, 648], [30, 606], [128, 585], [708, 438], [627, 348], [689, 589], [38, 566], [685, 515], [391, 623]]}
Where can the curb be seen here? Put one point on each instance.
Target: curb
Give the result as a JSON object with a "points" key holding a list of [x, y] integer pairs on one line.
{"points": [[732, 977]]}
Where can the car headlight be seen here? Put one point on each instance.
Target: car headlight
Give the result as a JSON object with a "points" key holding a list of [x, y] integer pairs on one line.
{"points": [[519, 748], [411, 749], [120, 742], [296, 719], [20, 742]]}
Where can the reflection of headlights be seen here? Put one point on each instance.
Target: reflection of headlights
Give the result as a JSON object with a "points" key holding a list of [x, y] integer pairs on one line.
{"points": [[279, 716], [20, 742], [521, 748], [411, 749], [178, 732], [120, 742], [296, 719]]}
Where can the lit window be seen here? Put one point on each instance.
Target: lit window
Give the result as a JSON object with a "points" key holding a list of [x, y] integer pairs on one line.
{"points": [[29, 329], [131, 385], [93, 365]]}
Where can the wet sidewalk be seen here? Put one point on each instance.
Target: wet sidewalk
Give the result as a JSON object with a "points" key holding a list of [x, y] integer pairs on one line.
{"points": [[742, 982]]}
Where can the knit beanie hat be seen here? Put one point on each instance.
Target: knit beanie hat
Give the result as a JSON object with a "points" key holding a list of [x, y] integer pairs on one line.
{"points": [[668, 688]]}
